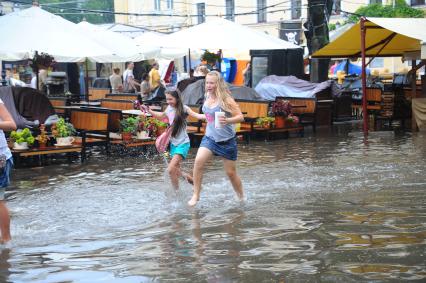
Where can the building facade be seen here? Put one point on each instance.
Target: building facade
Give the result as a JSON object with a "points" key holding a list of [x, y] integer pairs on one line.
{"points": [[264, 15], [156, 15], [170, 15]]}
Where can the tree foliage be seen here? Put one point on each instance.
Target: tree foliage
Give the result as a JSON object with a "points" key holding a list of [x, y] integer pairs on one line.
{"points": [[62, 8], [401, 10]]}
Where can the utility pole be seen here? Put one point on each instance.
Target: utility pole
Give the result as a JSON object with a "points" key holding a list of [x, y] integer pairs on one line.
{"points": [[316, 34]]}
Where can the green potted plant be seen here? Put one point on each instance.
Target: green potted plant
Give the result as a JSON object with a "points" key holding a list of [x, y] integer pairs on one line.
{"points": [[128, 128], [155, 127], [265, 122], [161, 127], [280, 110], [142, 130], [292, 120], [43, 137], [210, 58], [63, 132], [22, 139]]}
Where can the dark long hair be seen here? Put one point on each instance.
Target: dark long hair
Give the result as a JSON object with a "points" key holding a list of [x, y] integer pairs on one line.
{"points": [[179, 122]]}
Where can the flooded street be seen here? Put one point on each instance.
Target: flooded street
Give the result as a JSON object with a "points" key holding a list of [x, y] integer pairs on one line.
{"points": [[330, 207]]}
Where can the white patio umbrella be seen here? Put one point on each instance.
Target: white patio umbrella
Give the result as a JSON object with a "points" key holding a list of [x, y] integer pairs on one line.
{"points": [[34, 29], [155, 40], [123, 47], [223, 34]]}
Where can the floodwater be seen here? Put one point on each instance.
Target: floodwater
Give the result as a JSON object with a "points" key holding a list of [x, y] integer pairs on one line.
{"points": [[330, 207]]}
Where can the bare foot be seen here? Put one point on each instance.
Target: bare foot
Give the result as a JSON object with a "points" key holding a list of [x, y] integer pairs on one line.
{"points": [[4, 240], [188, 178], [193, 201], [240, 197]]}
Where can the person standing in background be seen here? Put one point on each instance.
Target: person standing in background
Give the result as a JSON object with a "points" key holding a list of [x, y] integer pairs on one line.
{"points": [[247, 75], [154, 77], [116, 81], [129, 82], [145, 86]]}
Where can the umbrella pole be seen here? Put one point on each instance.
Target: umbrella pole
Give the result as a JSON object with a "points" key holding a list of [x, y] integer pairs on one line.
{"points": [[189, 60], [86, 85], [36, 71], [363, 76]]}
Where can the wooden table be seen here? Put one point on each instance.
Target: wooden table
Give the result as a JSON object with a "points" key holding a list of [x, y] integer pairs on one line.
{"points": [[287, 130], [134, 143], [77, 148]]}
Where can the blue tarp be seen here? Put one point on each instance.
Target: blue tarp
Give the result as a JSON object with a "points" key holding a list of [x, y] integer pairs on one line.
{"points": [[353, 69]]}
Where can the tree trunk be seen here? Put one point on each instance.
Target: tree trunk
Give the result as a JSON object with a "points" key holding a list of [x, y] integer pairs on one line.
{"points": [[319, 12]]}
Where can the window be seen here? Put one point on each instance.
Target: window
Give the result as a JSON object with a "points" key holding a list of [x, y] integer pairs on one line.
{"points": [[201, 12], [336, 7], [157, 5], [259, 69], [296, 9], [417, 2], [377, 63], [261, 11], [169, 4], [375, 1], [230, 9]]}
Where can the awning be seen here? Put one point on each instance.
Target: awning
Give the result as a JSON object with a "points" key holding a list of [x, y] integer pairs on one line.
{"points": [[34, 29], [123, 48], [219, 33], [385, 37]]}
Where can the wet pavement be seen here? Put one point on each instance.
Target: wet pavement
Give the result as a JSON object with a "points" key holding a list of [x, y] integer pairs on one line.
{"points": [[330, 207]]}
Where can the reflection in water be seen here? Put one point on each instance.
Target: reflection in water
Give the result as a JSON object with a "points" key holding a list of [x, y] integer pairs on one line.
{"points": [[327, 208], [4, 265]]}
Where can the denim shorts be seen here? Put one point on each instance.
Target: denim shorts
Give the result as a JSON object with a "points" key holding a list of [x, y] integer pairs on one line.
{"points": [[181, 149], [226, 149], [5, 177]]}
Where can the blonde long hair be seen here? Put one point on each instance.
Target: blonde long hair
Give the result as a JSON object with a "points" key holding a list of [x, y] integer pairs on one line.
{"points": [[222, 91]]}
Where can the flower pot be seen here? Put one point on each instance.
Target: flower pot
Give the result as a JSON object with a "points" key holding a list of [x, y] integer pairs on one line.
{"points": [[20, 146], [127, 137], [290, 123], [279, 122], [160, 130], [142, 135], [64, 141], [42, 145]]}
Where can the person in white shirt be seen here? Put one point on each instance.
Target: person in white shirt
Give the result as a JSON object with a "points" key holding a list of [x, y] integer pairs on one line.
{"points": [[129, 82], [116, 81]]}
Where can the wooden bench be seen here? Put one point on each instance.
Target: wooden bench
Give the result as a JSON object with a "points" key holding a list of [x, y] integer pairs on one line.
{"points": [[122, 96], [93, 126], [50, 150], [134, 146], [268, 131], [59, 101], [194, 125], [305, 109], [117, 104], [374, 98], [134, 143], [98, 93], [252, 110]]}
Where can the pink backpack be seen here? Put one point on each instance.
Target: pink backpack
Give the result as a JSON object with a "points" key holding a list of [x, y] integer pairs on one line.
{"points": [[162, 142]]}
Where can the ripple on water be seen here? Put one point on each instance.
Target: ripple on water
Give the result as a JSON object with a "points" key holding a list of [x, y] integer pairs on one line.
{"points": [[322, 208]]}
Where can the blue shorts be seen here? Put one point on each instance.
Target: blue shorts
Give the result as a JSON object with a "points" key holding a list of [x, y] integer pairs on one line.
{"points": [[226, 149], [181, 149], [5, 176]]}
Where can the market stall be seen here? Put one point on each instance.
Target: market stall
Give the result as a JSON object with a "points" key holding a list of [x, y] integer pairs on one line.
{"points": [[380, 37]]}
